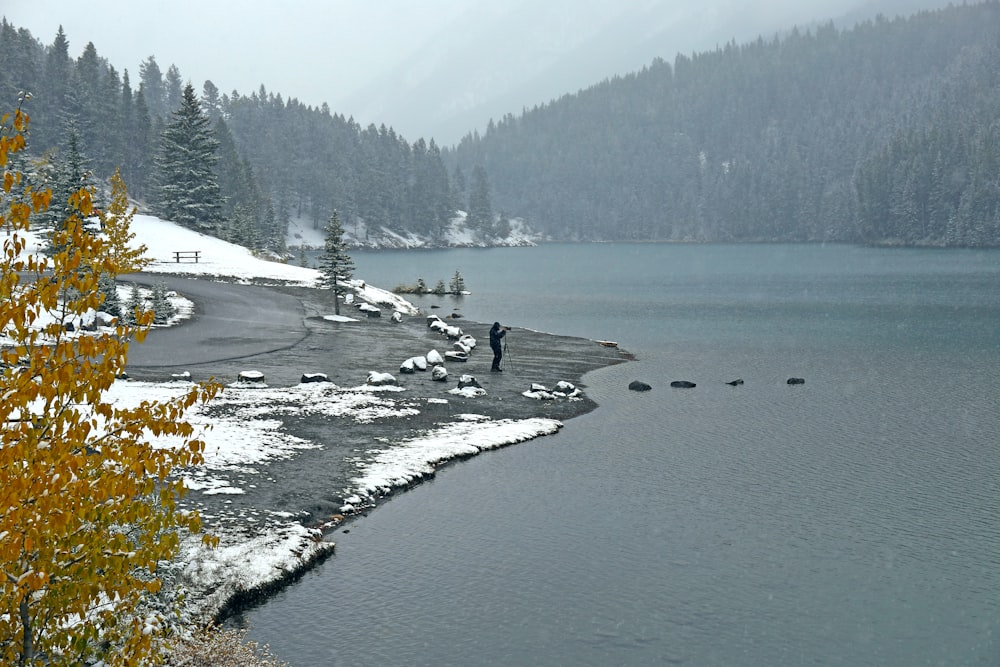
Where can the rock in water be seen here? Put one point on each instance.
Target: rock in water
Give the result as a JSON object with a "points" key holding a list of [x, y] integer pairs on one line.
{"points": [[683, 384], [635, 385]]}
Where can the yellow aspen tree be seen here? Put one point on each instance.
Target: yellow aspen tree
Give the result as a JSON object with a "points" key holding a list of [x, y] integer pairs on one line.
{"points": [[116, 222], [88, 506]]}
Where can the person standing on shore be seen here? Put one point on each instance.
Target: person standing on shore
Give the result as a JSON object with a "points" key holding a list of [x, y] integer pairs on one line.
{"points": [[496, 333]]}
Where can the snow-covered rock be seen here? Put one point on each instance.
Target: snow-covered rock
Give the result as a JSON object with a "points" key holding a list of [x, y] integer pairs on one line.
{"points": [[468, 381], [383, 297], [562, 390], [439, 373], [468, 392], [434, 358], [378, 379], [539, 394], [249, 379], [413, 364], [370, 310]]}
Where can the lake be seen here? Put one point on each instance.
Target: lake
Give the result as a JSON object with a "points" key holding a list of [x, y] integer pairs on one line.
{"points": [[850, 520]]}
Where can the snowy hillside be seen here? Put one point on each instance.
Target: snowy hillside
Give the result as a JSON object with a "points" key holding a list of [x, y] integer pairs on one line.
{"points": [[457, 235]]}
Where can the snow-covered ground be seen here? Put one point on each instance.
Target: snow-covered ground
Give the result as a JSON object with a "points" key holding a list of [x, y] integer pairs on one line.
{"points": [[456, 235], [253, 554]]}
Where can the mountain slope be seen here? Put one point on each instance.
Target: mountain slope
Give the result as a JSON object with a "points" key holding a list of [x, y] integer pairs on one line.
{"points": [[778, 140]]}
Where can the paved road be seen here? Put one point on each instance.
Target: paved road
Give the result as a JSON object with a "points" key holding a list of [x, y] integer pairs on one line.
{"points": [[230, 322]]}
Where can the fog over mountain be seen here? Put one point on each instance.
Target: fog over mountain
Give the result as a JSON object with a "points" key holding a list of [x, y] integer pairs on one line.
{"points": [[440, 68], [483, 63]]}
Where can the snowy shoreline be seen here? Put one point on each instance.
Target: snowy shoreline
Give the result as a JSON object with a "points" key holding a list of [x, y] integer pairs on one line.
{"points": [[246, 568], [285, 465]]}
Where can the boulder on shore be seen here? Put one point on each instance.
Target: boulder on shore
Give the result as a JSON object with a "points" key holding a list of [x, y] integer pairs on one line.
{"points": [[468, 381], [377, 379]]}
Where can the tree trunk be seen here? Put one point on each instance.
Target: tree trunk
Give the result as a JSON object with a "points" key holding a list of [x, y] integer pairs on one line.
{"points": [[27, 645]]}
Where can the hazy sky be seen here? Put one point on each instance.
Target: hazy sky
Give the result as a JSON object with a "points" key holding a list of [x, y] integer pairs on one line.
{"points": [[436, 68]]}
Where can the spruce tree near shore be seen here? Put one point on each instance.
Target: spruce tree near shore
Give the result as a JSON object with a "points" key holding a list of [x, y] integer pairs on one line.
{"points": [[335, 263]]}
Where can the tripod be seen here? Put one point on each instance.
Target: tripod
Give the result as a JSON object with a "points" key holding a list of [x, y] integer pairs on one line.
{"points": [[505, 360]]}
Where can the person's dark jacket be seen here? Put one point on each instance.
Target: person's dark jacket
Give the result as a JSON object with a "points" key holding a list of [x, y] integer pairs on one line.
{"points": [[496, 333]]}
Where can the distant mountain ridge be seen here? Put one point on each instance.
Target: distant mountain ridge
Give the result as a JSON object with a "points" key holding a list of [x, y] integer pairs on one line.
{"points": [[564, 46], [883, 133]]}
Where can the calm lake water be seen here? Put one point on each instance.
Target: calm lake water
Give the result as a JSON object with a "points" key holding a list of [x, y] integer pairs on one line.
{"points": [[852, 520]]}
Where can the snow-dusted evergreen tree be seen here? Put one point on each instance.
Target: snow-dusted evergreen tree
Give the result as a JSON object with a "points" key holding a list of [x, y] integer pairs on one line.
{"points": [[134, 304], [439, 287], [480, 208], [69, 171], [335, 263], [457, 284], [112, 304], [163, 310], [188, 185]]}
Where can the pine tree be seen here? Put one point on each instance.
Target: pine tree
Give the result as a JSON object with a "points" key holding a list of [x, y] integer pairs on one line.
{"points": [[135, 306], [140, 160], [111, 304], [188, 186], [69, 171], [151, 80], [163, 310], [457, 284], [480, 209], [335, 263], [172, 82], [439, 287]]}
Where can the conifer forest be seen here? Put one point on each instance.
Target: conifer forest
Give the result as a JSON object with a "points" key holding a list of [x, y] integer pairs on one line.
{"points": [[884, 132]]}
